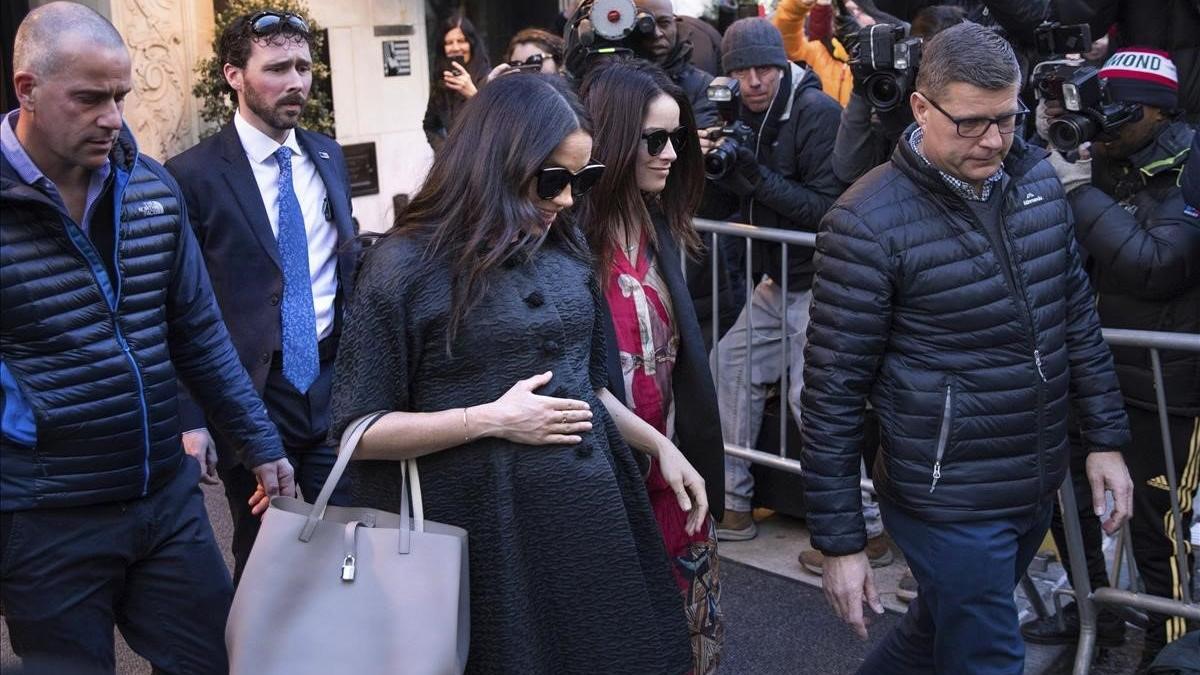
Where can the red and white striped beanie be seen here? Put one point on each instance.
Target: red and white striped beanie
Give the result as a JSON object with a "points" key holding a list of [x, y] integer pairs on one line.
{"points": [[1142, 75]]}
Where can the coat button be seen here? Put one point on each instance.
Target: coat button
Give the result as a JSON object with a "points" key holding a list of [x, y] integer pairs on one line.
{"points": [[265, 358], [535, 299], [550, 347], [274, 299]]}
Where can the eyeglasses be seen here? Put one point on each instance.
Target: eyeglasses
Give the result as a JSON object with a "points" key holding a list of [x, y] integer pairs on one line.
{"points": [[657, 140], [552, 179], [974, 127], [534, 62], [264, 23]]}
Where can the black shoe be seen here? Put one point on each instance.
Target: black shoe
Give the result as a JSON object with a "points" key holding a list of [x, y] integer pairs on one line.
{"points": [[1110, 629]]}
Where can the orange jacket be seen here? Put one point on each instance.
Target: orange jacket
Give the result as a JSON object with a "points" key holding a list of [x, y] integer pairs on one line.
{"points": [[831, 68]]}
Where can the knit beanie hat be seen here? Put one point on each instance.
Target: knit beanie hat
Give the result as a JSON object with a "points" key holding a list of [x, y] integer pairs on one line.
{"points": [[751, 42], [1142, 75]]}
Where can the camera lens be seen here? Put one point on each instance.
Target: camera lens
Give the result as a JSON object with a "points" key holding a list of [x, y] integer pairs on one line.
{"points": [[883, 91], [1070, 131], [719, 161]]}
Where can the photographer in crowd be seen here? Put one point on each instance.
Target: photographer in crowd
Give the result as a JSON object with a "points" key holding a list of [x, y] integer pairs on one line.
{"points": [[1143, 244], [671, 53], [949, 293], [877, 112], [773, 157], [457, 77]]}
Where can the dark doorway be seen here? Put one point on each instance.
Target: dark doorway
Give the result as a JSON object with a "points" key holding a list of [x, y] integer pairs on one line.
{"points": [[497, 22], [11, 14]]}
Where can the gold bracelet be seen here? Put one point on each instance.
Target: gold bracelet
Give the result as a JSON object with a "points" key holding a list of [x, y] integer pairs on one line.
{"points": [[466, 428]]}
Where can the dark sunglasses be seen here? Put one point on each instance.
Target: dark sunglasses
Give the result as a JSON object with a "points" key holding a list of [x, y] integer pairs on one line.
{"points": [[657, 140], [264, 23], [552, 179], [534, 62]]}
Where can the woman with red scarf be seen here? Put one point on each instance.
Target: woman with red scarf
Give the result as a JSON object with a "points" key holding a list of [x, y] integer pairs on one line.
{"points": [[637, 222]]}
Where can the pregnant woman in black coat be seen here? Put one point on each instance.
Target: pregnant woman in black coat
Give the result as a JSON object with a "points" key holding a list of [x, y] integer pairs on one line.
{"points": [[485, 283]]}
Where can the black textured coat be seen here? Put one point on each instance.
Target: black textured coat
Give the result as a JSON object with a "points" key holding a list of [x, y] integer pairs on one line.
{"points": [[969, 375], [1144, 261], [96, 354], [697, 417], [568, 569]]}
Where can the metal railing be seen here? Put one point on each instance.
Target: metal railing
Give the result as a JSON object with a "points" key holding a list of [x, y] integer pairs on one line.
{"points": [[1086, 597]]}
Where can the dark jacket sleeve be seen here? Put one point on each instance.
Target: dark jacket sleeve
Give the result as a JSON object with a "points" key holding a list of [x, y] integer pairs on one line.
{"points": [[802, 201], [1190, 181], [1094, 386], [435, 131], [1019, 18], [858, 147], [205, 359], [191, 416], [848, 332], [1158, 261]]}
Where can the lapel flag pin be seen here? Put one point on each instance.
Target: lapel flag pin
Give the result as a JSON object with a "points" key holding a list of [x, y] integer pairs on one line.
{"points": [[323, 154]]}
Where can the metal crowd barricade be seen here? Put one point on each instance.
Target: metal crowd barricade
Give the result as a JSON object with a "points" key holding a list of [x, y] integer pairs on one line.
{"points": [[1086, 597]]}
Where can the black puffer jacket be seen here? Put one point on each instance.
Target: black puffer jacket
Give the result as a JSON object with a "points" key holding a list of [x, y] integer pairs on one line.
{"points": [[969, 376], [1145, 265], [797, 185], [95, 357]]}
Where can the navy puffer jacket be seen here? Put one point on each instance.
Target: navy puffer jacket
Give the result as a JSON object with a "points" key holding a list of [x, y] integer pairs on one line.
{"points": [[969, 375], [95, 357]]}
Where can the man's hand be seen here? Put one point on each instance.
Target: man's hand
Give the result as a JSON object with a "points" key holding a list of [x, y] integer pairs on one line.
{"points": [[708, 138], [199, 444], [743, 179], [274, 478], [1106, 471], [848, 583]]}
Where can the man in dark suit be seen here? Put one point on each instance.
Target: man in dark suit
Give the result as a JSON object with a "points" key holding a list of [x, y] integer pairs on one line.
{"points": [[270, 205]]}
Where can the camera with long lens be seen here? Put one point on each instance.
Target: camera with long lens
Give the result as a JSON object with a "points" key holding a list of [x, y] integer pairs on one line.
{"points": [[885, 65], [601, 28], [1090, 112], [719, 161]]}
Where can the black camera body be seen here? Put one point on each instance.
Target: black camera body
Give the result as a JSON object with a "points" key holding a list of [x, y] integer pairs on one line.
{"points": [[1090, 113], [724, 92], [885, 65], [1053, 39], [600, 28]]}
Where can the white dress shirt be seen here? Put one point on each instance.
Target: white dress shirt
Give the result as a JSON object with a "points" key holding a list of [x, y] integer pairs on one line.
{"points": [[310, 192]]}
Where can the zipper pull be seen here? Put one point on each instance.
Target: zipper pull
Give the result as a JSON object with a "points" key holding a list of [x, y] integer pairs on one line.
{"points": [[937, 473], [1037, 360]]}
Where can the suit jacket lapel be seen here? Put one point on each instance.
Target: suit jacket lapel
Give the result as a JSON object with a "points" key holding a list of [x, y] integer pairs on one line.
{"points": [[335, 187], [240, 177]]}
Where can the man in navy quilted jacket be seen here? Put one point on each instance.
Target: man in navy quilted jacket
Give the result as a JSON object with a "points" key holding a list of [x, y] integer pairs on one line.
{"points": [[106, 301], [949, 293]]}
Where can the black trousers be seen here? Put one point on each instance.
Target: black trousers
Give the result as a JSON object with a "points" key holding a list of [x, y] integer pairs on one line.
{"points": [[150, 566], [303, 423], [1152, 525]]}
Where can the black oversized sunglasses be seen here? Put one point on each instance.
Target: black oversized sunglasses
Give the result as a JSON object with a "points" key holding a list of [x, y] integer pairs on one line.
{"points": [[264, 23], [657, 140], [534, 62], [552, 179]]}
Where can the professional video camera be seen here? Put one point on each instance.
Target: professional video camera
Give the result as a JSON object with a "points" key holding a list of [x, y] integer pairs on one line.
{"points": [[601, 28], [720, 160], [885, 65], [1090, 113]]}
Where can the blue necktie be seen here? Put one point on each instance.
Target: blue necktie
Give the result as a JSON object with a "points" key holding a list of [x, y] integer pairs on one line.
{"points": [[300, 360]]}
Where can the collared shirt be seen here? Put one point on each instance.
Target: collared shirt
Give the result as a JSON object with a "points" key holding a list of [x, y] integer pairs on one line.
{"points": [[32, 176], [311, 193], [960, 187]]}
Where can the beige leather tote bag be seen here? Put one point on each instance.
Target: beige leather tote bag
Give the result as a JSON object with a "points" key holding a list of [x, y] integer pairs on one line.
{"points": [[331, 589]]}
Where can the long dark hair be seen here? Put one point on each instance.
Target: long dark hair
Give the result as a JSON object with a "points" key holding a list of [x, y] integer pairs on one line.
{"points": [[475, 207], [617, 95], [480, 66]]}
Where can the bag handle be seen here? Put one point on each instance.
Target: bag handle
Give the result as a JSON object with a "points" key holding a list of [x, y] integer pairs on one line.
{"points": [[350, 439], [410, 481]]}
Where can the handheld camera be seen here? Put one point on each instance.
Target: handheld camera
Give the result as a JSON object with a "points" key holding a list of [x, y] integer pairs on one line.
{"points": [[723, 92], [885, 65]]}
